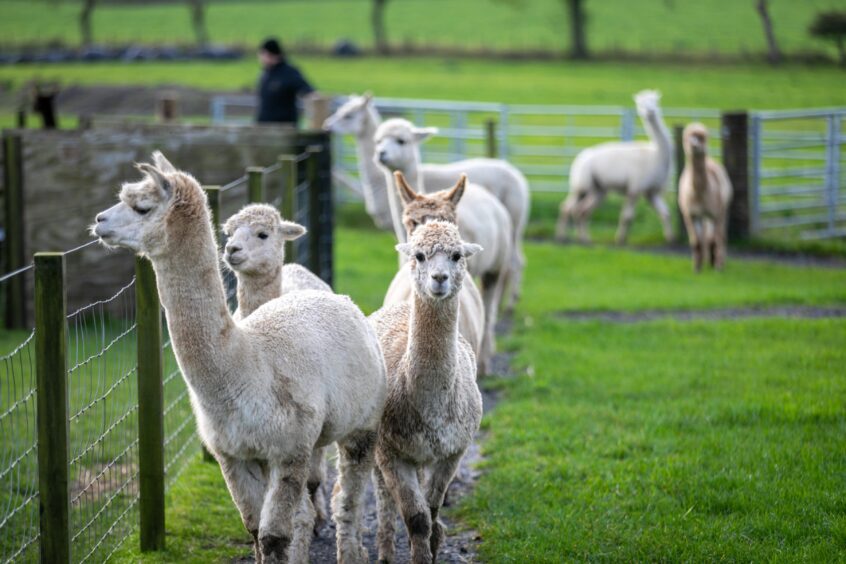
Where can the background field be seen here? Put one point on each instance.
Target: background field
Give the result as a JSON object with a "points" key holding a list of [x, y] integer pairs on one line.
{"points": [[663, 26]]}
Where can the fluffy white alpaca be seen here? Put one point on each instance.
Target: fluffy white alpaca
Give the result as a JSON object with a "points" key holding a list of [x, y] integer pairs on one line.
{"points": [[360, 118], [480, 217], [634, 169], [434, 406], [704, 196], [418, 210], [255, 252], [302, 371]]}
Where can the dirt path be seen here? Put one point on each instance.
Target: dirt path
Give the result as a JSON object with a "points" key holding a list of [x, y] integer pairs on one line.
{"points": [[796, 312]]}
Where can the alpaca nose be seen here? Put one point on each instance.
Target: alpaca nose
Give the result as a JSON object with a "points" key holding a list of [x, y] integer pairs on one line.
{"points": [[440, 277], [232, 248], [383, 155], [101, 217]]}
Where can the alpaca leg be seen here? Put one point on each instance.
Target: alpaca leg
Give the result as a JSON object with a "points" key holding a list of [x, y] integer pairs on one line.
{"points": [[402, 481], [565, 212], [693, 238], [491, 294], [246, 483], [584, 210], [303, 530], [718, 255], [286, 488], [436, 488], [626, 216], [660, 206], [316, 477], [387, 512], [355, 461], [515, 275]]}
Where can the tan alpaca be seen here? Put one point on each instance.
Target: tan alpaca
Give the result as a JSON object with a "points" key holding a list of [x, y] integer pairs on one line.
{"points": [[301, 371], [434, 407], [480, 217], [255, 252], [417, 210], [704, 196]]}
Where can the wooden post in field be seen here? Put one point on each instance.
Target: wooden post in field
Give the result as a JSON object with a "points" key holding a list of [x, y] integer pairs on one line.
{"points": [[21, 121], [313, 209], [52, 412], [255, 184], [735, 137], [678, 133], [317, 110], [151, 459], [14, 213], [167, 108], [287, 207], [490, 139]]}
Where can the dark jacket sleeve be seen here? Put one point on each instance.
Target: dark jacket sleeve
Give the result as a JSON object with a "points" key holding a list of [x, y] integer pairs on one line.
{"points": [[302, 85]]}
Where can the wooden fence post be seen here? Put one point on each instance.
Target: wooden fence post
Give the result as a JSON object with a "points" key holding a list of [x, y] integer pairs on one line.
{"points": [[15, 232], [287, 207], [255, 184], [735, 136], [313, 209], [52, 398], [678, 134], [151, 438], [490, 139]]}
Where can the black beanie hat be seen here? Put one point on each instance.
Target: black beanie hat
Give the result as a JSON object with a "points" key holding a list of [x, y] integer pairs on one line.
{"points": [[272, 46]]}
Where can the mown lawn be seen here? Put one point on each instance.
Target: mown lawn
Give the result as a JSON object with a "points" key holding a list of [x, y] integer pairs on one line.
{"points": [[650, 441]]}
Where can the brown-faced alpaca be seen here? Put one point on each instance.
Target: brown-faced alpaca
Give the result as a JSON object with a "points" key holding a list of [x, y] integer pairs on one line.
{"points": [[433, 407], [300, 372], [704, 197], [255, 252]]}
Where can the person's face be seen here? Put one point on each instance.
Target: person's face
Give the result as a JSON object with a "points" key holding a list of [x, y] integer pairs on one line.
{"points": [[267, 59]]}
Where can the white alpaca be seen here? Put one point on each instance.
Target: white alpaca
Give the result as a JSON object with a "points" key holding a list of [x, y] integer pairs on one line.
{"points": [[634, 169], [433, 407], [480, 217], [360, 118], [302, 371], [255, 252], [471, 310], [704, 195]]}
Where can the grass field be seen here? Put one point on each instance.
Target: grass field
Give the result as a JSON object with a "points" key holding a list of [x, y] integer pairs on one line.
{"points": [[663, 26]]}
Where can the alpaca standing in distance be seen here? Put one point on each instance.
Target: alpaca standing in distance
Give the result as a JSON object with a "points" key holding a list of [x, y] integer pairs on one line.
{"points": [[633, 168], [301, 371], [434, 407], [480, 217], [360, 118], [704, 196], [255, 252]]}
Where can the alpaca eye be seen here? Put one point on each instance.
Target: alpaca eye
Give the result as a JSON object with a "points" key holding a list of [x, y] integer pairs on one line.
{"points": [[420, 257], [262, 235], [456, 257], [400, 141], [141, 211]]}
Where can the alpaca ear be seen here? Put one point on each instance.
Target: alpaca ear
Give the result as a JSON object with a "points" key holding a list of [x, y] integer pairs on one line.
{"points": [[405, 248], [291, 230], [157, 176], [367, 98], [406, 192], [423, 133], [470, 249], [454, 195], [162, 163]]}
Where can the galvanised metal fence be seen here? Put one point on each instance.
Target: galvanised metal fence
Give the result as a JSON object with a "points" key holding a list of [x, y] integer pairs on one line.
{"points": [[95, 416], [797, 168]]}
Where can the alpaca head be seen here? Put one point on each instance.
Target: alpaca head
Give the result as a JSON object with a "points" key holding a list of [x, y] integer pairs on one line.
{"points": [[351, 118], [397, 143], [648, 103], [256, 238], [153, 211], [695, 139], [438, 259], [419, 209]]}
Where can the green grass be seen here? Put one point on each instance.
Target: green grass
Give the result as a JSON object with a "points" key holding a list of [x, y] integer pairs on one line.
{"points": [[667, 441], [660, 26]]}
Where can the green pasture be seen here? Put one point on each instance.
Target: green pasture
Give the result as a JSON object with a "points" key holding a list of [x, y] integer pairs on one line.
{"points": [[646, 26]]}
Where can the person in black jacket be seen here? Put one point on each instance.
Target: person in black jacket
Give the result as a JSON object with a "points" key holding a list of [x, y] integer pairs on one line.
{"points": [[279, 86]]}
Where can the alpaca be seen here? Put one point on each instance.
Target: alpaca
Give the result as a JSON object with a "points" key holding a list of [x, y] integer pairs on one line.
{"points": [[471, 312], [360, 118], [255, 252], [704, 196], [433, 407], [480, 217], [302, 371], [633, 168]]}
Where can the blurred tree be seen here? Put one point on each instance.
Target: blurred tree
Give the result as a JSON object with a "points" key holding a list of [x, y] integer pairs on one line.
{"points": [[773, 52], [831, 26], [578, 36], [377, 20], [85, 22], [198, 20]]}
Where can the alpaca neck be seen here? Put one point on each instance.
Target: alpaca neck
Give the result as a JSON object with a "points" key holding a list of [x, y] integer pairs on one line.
{"points": [[432, 343], [699, 169], [659, 134], [256, 290], [372, 179], [412, 174], [199, 323]]}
